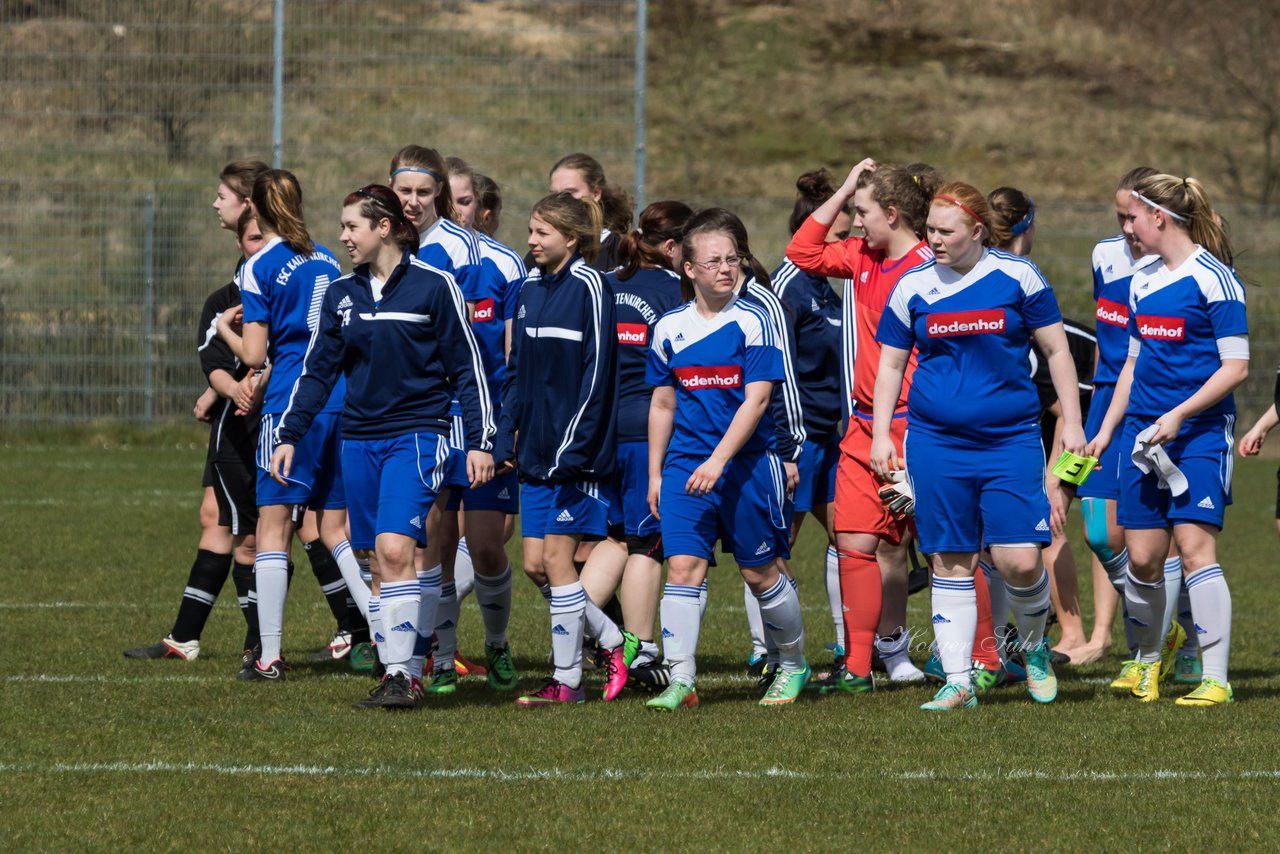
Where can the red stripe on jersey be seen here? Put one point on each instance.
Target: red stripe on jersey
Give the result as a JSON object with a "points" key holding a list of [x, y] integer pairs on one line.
{"points": [[709, 377], [1114, 313], [951, 323], [485, 312], [633, 333], [1162, 328]]}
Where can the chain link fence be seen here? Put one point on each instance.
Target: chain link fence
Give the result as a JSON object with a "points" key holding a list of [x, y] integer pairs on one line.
{"points": [[116, 116]]}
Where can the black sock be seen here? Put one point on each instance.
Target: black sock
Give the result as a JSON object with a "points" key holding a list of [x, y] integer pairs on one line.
{"points": [[357, 623], [330, 578], [208, 573], [579, 565], [247, 594], [613, 610]]}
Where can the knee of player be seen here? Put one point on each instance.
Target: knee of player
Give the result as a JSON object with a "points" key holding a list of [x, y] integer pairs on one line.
{"points": [[1096, 532]]}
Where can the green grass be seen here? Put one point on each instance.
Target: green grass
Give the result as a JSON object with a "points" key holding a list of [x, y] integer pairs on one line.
{"points": [[98, 752]]}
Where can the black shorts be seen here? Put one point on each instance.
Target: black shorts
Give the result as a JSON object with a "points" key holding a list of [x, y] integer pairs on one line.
{"points": [[235, 487], [649, 545]]}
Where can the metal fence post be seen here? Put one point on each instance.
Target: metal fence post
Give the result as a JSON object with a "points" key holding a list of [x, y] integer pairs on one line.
{"points": [[642, 26], [277, 89], [149, 305]]}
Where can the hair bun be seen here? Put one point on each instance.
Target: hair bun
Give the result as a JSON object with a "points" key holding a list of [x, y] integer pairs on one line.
{"points": [[816, 186]]}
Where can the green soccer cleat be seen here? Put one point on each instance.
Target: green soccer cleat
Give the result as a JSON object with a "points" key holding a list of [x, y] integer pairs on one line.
{"points": [[361, 657], [933, 669], [951, 697], [1128, 676], [847, 683], [1210, 693], [443, 682], [983, 679], [1187, 669], [1042, 684], [679, 695], [1147, 686], [786, 686], [502, 675]]}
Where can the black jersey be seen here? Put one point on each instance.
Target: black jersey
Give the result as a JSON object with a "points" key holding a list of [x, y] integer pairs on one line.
{"points": [[1082, 344], [233, 438]]}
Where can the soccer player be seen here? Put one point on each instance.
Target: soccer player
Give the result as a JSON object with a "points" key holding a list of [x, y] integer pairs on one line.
{"points": [[420, 178], [1115, 260], [398, 331], [282, 287], [973, 453], [1017, 213], [713, 473], [645, 287], [814, 309], [229, 467], [890, 206], [581, 175], [1173, 417], [560, 400]]}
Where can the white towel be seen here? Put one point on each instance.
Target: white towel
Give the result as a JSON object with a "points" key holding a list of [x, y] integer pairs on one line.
{"points": [[1149, 457]]}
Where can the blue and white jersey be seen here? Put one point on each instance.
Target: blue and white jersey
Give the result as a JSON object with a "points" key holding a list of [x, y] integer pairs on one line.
{"points": [[788, 414], [501, 273], [560, 394], [450, 247], [1175, 320], [973, 335], [1113, 267], [709, 362], [401, 351], [284, 290], [815, 308], [640, 301]]}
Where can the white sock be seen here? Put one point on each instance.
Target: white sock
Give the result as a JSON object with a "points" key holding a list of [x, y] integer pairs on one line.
{"points": [[955, 619], [357, 587], [702, 598], [568, 616], [755, 622], [647, 655], [600, 627], [365, 574], [780, 608], [1211, 605], [428, 601], [999, 594], [1145, 603], [493, 595], [399, 602], [446, 628], [1116, 569], [271, 580], [464, 572], [895, 652], [1031, 610], [1172, 591], [545, 590], [375, 626], [681, 621], [831, 575]]}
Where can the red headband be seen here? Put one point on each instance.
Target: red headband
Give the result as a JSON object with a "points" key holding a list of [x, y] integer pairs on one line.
{"points": [[962, 207]]}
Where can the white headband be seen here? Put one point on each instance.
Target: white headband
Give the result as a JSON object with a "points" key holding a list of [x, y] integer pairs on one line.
{"points": [[1179, 217]]}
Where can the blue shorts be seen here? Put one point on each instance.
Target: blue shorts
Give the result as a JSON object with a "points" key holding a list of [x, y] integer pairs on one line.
{"points": [[967, 494], [1203, 452], [315, 478], [746, 511], [566, 509], [632, 489], [455, 469], [1103, 481], [817, 475], [393, 483], [501, 494]]}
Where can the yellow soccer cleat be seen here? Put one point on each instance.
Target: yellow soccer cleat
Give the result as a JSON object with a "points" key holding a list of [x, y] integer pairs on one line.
{"points": [[1147, 687], [1172, 643], [1210, 693], [1128, 676]]}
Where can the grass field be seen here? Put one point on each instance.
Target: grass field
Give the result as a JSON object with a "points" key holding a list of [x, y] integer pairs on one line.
{"points": [[98, 752]]}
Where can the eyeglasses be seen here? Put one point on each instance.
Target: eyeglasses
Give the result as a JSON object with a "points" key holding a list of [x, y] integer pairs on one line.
{"points": [[714, 265]]}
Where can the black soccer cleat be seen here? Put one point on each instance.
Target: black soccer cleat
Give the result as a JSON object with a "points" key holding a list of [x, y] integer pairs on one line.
{"points": [[654, 677], [273, 672], [392, 693]]}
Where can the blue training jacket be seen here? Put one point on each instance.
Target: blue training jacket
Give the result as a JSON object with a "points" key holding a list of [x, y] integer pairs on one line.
{"points": [[399, 356], [560, 391]]}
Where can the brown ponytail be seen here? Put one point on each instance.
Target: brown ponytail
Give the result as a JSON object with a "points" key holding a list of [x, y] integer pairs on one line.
{"points": [[277, 201], [659, 222]]}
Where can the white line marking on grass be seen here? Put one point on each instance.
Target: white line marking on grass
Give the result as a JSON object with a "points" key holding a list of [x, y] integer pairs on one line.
{"points": [[617, 774]]}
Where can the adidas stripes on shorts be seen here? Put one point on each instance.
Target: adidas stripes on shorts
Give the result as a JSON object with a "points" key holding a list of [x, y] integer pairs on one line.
{"points": [[1202, 451], [566, 509]]}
